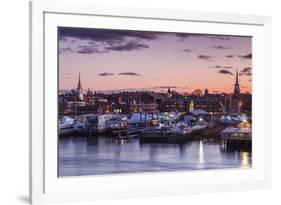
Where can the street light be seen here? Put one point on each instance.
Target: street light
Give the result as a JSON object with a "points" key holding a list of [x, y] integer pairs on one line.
{"points": [[240, 106], [200, 119]]}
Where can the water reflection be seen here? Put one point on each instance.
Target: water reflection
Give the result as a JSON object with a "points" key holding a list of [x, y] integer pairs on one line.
{"points": [[245, 160], [94, 156], [201, 152]]}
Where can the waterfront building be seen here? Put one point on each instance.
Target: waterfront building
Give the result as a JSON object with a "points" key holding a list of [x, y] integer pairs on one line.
{"points": [[175, 103], [246, 107], [237, 133], [173, 106], [70, 104], [211, 103], [88, 96], [237, 138], [149, 102], [144, 103], [74, 102], [150, 108], [197, 115], [122, 108], [237, 102]]}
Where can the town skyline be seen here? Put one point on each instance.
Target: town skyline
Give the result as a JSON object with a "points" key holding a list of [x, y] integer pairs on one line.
{"points": [[160, 89], [153, 61]]}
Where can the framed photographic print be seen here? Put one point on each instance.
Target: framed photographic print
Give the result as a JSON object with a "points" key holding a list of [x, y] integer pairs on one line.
{"points": [[130, 102]]}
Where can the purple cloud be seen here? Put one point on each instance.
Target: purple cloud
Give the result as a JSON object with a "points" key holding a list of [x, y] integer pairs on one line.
{"points": [[183, 36], [105, 74], [65, 50], [89, 50], [226, 72], [129, 46], [205, 57], [229, 56], [104, 34], [248, 56], [167, 87], [220, 37], [186, 50], [221, 47], [129, 73], [246, 71], [220, 66]]}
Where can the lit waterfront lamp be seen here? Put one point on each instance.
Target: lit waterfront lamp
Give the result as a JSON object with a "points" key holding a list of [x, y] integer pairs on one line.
{"points": [[244, 124], [240, 106], [200, 120], [191, 106]]}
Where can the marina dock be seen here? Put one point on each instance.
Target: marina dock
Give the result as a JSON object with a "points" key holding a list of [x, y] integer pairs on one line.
{"points": [[236, 137], [126, 134], [178, 129], [160, 135]]}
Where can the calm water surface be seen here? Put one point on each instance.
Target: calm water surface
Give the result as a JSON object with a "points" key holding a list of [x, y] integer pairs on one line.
{"points": [[101, 155]]}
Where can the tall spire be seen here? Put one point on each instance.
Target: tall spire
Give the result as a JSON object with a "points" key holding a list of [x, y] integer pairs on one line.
{"points": [[79, 86], [79, 89], [236, 92], [237, 76]]}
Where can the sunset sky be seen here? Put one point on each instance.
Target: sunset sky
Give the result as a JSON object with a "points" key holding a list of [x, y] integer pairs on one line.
{"points": [[137, 60]]}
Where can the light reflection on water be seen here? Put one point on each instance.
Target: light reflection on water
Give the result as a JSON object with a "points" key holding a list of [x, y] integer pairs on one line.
{"points": [[245, 160], [201, 152], [95, 156]]}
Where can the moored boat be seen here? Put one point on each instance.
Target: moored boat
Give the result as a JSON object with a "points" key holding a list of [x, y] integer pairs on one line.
{"points": [[66, 126]]}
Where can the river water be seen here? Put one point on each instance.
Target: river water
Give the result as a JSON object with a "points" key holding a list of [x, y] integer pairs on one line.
{"points": [[80, 156]]}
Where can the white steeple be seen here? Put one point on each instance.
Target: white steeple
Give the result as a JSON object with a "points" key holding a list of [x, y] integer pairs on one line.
{"points": [[79, 89]]}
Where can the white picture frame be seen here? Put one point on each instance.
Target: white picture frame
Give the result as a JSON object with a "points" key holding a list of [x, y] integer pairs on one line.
{"points": [[46, 187]]}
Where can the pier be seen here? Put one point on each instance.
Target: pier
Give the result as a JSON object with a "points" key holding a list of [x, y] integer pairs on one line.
{"points": [[160, 135], [236, 137], [126, 134]]}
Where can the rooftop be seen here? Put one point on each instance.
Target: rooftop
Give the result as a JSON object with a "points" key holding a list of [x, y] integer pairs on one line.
{"points": [[199, 112], [237, 130]]}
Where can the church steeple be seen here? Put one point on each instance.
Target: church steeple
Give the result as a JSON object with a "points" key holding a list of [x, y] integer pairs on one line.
{"points": [[79, 86], [169, 92], [237, 77], [79, 89], [236, 92]]}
